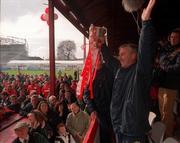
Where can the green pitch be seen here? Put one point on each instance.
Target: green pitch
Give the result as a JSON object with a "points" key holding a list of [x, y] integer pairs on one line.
{"points": [[38, 72]]}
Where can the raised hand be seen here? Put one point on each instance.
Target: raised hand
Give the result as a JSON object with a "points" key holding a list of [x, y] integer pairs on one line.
{"points": [[146, 14]]}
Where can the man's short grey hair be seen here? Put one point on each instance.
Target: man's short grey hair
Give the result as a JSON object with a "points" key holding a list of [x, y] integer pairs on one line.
{"points": [[133, 46]]}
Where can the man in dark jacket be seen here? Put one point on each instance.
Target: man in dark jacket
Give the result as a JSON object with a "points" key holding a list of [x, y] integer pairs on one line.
{"points": [[15, 106], [129, 104], [169, 81], [99, 106], [30, 106]]}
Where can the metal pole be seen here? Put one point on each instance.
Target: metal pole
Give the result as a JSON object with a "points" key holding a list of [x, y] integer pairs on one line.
{"points": [[84, 48], [51, 47]]}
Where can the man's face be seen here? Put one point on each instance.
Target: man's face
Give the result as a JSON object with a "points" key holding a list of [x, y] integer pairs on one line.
{"points": [[31, 118], [127, 57], [74, 108], [13, 100], [34, 101], [62, 130], [174, 38], [22, 132], [52, 100]]}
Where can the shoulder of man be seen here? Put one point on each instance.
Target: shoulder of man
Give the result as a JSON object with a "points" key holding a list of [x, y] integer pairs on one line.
{"points": [[16, 140], [36, 137]]}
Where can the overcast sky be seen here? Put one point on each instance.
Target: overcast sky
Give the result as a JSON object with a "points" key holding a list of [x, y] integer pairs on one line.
{"points": [[21, 18]]}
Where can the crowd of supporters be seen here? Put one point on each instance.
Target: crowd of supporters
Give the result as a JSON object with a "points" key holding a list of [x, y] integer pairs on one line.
{"points": [[48, 115]]}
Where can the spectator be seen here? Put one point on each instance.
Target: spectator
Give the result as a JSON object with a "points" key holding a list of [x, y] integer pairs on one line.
{"points": [[77, 122], [69, 97], [63, 135], [52, 101], [99, 106], [169, 81], [15, 106], [50, 115], [4, 99], [30, 106], [38, 124], [23, 136], [46, 89], [75, 75], [62, 111]]}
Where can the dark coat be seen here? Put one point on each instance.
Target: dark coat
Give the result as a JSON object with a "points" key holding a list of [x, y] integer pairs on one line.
{"points": [[15, 107], [102, 91], [129, 104], [169, 72], [26, 109]]}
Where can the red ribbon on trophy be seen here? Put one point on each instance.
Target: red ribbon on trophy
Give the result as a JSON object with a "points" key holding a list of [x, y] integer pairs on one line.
{"points": [[89, 70]]}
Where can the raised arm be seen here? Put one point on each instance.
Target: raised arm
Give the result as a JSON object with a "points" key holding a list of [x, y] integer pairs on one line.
{"points": [[147, 42]]}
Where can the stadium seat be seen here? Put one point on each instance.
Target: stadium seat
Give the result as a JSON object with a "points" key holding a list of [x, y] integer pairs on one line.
{"points": [[170, 140], [156, 135]]}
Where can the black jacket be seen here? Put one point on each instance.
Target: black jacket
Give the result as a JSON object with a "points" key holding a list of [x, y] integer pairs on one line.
{"points": [[102, 91], [15, 107], [129, 104], [169, 72]]}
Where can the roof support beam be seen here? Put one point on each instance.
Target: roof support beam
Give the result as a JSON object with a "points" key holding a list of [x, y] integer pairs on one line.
{"points": [[66, 12]]}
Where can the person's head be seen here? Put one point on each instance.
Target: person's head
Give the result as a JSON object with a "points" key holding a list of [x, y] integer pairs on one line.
{"points": [[61, 128], [61, 92], [75, 107], [127, 54], [43, 107], [52, 100], [22, 92], [13, 99], [21, 130], [67, 96], [67, 86], [35, 117], [61, 86], [174, 37], [61, 107], [34, 100], [32, 82], [9, 87], [33, 92]]}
